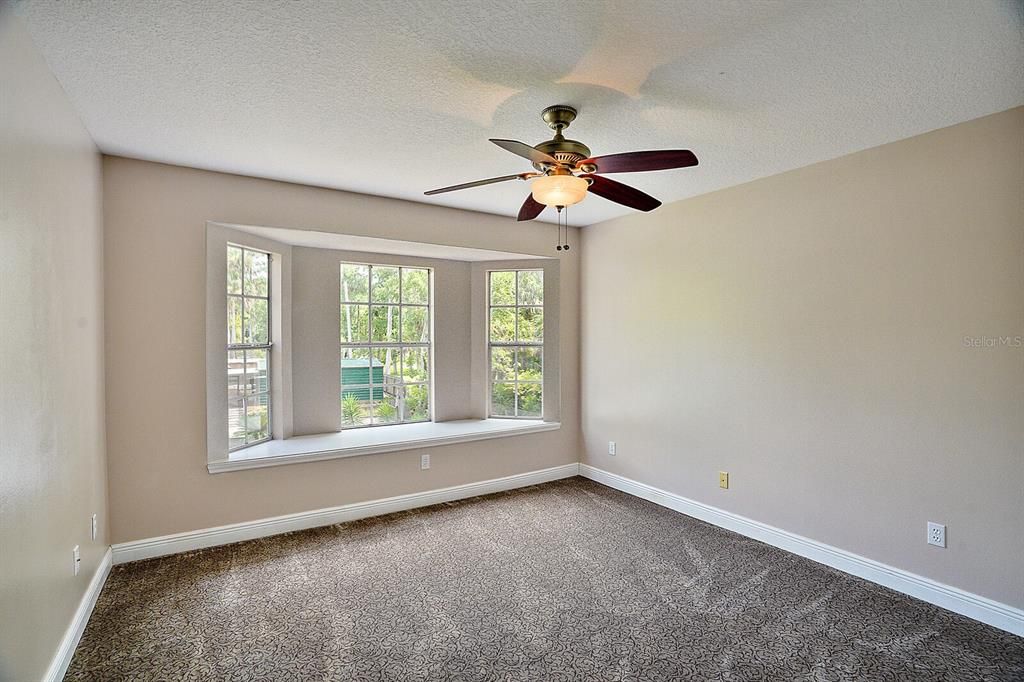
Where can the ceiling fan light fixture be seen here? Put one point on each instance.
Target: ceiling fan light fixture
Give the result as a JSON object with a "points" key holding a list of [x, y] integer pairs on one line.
{"points": [[559, 190]]}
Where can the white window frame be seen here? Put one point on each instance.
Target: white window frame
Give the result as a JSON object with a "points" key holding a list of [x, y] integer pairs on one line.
{"points": [[514, 346], [244, 348], [399, 346]]}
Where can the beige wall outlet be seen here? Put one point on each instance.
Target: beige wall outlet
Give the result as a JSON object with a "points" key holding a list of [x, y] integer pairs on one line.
{"points": [[723, 479]]}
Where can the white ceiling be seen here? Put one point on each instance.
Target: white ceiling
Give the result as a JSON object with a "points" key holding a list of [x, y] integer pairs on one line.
{"points": [[394, 98]]}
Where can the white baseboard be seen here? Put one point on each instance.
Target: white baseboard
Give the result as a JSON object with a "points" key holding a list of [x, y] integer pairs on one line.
{"points": [[73, 634], [224, 535], [974, 606]]}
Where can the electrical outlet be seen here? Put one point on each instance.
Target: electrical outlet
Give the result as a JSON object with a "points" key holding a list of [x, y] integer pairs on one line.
{"points": [[78, 559], [723, 479], [424, 462], [94, 529], [936, 534], [611, 448]]}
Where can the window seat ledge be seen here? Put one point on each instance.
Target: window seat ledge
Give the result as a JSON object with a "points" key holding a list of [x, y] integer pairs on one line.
{"points": [[371, 441]]}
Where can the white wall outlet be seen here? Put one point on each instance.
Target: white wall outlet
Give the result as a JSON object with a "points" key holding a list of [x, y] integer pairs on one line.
{"points": [[78, 559], [611, 447], [936, 534], [94, 529], [424, 462]]}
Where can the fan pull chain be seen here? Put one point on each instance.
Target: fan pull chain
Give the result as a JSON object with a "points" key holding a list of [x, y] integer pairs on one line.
{"points": [[558, 239], [565, 242], [562, 244]]}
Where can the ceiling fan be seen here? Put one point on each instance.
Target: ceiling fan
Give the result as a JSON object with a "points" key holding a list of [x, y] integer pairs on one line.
{"points": [[566, 171]]}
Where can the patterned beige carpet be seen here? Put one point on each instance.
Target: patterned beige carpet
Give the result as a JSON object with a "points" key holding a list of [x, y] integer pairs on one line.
{"points": [[565, 581]]}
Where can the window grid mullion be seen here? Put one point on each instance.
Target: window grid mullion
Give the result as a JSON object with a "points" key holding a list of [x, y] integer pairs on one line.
{"points": [[369, 332], [515, 352], [383, 344], [244, 339]]}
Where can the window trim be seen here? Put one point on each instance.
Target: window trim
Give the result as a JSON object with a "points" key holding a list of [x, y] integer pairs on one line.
{"points": [[400, 346], [514, 345]]}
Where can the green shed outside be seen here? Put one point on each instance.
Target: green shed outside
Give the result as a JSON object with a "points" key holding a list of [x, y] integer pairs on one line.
{"points": [[355, 372]]}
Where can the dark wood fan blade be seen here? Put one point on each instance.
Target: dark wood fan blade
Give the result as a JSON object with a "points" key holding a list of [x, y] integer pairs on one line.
{"points": [[622, 194], [531, 209], [526, 151], [477, 183], [632, 162]]}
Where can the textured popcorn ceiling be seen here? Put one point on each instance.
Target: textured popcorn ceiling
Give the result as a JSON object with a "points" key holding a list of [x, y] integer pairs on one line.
{"points": [[394, 98]]}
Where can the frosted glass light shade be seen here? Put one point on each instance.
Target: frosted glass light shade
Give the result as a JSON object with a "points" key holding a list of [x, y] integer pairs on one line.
{"points": [[559, 190]]}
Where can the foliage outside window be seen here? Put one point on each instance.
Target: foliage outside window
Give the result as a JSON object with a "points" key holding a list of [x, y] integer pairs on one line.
{"points": [[385, 345], [248, 349], [516, 343]]}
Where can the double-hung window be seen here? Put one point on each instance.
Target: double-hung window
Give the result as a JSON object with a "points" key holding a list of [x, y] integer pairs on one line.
{"points": [[248, 348], [385, 345], [516, 343]]}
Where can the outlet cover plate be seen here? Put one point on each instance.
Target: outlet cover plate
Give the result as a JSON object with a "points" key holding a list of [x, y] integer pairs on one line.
{"points": [[723, 479], [424, 462], [611, 448], [936, 534]]}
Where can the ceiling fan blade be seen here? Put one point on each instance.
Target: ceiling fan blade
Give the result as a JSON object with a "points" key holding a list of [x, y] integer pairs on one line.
{"points": [[477, 183], [621, 194], [632, 162], [526, 151], [531, 209]]}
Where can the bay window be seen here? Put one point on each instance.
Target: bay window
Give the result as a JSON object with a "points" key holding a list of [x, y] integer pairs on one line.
{"points": [[309, 348]]}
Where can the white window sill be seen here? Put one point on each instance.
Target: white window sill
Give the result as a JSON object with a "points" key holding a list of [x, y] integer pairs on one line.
{"points": [[371, 441]]}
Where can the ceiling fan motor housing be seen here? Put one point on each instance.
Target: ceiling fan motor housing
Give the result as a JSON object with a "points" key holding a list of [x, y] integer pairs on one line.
{"points": [[568, 152], [565, 151]]}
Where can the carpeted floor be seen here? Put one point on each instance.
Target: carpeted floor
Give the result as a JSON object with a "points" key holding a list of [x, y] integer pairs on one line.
{"points": [[565, 581]]}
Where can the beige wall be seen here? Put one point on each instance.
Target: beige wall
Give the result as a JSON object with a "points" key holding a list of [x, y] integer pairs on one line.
{"points": [[52, 471], [155, 226], [805, 332]]}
